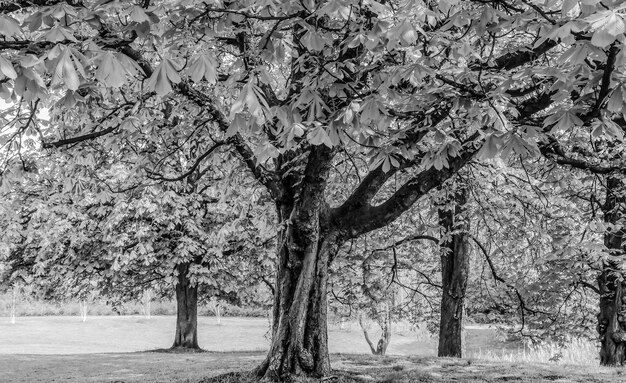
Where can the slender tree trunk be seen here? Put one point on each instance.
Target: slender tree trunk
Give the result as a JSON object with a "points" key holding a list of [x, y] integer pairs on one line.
{"points": [[146, 303], [187, 311], [455, 262], [385, 337], [83, 309], [13, 305], [612, 316]]}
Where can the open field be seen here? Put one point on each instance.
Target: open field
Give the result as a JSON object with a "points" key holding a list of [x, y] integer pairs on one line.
{"points": [[104, 334], [113, 349]]}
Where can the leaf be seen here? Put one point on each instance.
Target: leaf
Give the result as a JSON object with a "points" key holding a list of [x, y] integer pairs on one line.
{"points": [[568, 5], [318, 136], [408, 34], [601, 38], [139, 15], [9, 27], [65, 72], [6, 68], [265, 151], [519, 146], [313, 41], [204, 67], [608, 26], [251, 96], [163, 77], [59, 34], [616, 101], [490, 148], [238, 124], [567, 121], [110, 71], [613, 129], [575, 54]]}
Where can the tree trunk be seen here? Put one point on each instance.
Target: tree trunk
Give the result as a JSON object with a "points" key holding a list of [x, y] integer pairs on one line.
{"points": [[385, 336], [612, 316], [83, 309], [187, 311], [299, 331], [455, 259]]}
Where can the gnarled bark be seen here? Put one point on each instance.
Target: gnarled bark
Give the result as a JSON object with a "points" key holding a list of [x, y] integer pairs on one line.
{"points": [[186, 311], [612, 317], [299, 336], [306, 246], [455, 258]]}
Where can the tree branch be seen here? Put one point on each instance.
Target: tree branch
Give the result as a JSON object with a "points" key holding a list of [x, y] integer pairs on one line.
{"points": [[159, 177], [410, 239], [354, 223]]}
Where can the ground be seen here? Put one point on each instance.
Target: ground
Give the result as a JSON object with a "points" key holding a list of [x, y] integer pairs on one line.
{"points": [[109, 349], [160, 367]]}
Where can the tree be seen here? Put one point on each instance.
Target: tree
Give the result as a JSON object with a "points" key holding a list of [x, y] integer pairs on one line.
{"points": [[422, 87], [75, 244], [611, 319], [455, 268]]}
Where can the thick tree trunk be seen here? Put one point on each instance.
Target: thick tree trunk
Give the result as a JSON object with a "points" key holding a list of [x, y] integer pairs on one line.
{"points": [[187, 311], [305, 249], [299, 332], [299, 337], [455, 262], [612, 316]]}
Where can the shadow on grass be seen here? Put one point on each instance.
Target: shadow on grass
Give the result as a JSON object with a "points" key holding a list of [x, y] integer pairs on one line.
{"points": [[339, 376], [178, 350]]}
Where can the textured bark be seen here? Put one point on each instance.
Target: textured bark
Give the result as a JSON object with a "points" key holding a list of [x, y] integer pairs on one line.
{"points": [[299, 332], [455, 262], [612, 317], [299, 336], [186, 311]]}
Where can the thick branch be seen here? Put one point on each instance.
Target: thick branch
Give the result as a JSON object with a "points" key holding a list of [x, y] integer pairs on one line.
{"points": [[355, 223], [77, 139], [518, 58], [552, 150], [375, 179]]}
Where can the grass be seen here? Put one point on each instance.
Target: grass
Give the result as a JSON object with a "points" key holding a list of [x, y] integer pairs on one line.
{"points": [[230, 367], [104, 334], [111, 349], [573, 351]]}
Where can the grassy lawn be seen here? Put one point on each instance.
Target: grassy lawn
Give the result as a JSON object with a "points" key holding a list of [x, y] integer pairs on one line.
{"points": [[104, 334], [194, 367], [113, 349]]}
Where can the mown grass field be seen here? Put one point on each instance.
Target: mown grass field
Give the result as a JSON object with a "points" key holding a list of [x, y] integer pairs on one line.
{"points": [[114, 349]]}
